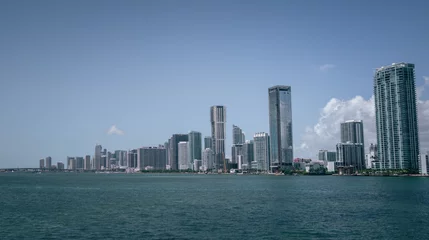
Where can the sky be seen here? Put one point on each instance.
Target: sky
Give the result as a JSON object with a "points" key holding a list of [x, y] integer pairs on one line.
{"points": [[127, 74]]}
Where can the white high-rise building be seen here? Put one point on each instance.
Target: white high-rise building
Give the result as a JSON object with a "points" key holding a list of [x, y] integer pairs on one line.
{"points": [[424, 164], [183, 155], [208, 159], [396, 117], [261, 146], [371, 156]]}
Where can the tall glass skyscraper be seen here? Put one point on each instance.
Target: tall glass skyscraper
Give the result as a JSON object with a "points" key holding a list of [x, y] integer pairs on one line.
{"points": [[218, 125], [195, 148], [396, 117], [280, 115]]}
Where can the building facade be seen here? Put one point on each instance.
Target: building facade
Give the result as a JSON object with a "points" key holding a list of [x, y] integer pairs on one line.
{"points": [[152, 158], [174, 150], [97, 157], [72, 165], [208, 159], [60, 166], [248, 153], [237, 135], [87, 162], [132, 158], [424, 164], [351, 155], [42, 163], [218, 129], [80, 162], [69, 162], [371, 157], [396, 117], [208, 142], [351, 137], [280, 117], [352, 131], [48, 162], [261, 145], [121, 158], [236, 151], [183, 156], [194, 145], [327, 156]]}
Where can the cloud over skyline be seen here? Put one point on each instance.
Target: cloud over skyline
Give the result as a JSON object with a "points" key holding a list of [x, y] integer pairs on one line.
{"points": [[113, 130], [325, 134], [326, 67]]}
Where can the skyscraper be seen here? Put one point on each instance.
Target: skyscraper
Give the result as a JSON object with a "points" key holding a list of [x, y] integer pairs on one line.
{"points": [[248, 153], [352, 131], [371, 157], [351, 155], [208, 159], [69, 162], [194, 145], [42, 163], [80, 163], [48, 162], [121, 158], [237, 135], [167, 155], [183, 157], [152, 158], [218, 127], [72, 165], [174, 150], [236, 151], [351, 151], [261, 147], [280, 117], [396, 117], [87, 165], [208, 142], [60, 166], [132, 158], [97, 157]]}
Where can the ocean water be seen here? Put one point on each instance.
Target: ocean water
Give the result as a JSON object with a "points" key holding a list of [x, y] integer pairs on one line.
{"points": [[182, 206]]}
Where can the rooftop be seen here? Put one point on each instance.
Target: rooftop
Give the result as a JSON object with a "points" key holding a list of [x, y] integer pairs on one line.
{"points": [[396, 65], [280, 87]]}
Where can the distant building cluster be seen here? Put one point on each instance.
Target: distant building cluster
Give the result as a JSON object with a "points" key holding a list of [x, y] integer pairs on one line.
{"points": [[397, 146]]}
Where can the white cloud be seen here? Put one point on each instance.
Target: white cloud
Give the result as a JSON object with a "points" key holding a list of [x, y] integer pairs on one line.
{"points": [[326, 133], [426, 80], [326, 67], [114, 130]]}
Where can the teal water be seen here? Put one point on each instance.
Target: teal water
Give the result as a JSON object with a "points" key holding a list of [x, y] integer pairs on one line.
{"points": [[121, 206]]}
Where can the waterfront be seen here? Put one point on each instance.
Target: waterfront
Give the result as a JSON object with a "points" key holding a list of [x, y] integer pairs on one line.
{"points": [[191, 206]]}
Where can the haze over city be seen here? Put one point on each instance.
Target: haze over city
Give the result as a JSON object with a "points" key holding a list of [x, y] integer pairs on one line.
{"points": [[126, 75]]}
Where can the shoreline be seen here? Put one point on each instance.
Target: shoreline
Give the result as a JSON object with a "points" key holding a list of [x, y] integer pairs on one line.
{"points": [[203, 173]]}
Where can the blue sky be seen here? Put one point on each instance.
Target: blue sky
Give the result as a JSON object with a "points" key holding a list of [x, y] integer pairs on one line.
{"points": [[69, 70]]}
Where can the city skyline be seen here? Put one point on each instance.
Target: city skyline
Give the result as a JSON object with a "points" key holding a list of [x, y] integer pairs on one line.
{"points": [[64, 91]]}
